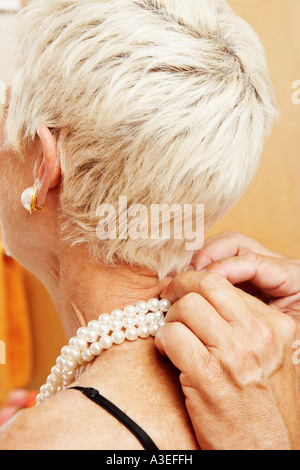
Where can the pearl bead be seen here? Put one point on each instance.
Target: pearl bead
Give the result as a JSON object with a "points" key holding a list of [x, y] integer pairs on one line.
{"points": [[43, 388], [154, 329], [130, 311], [142, 307], [104, 318], [150, 318], [118, 337], [68, 374], [140, 319], [87, 355], [158, 315], [65, 351], [72, 341], [93, 324], [56, 371], [128, 322], [69, 365], [39, 399], [153, 305], [131, 334], [26, 198], [115, 325], [106, 342], [103, 329], [60, 361], [143, 331], [91, 335], [52, 380], [46, 395], [81, 343], [96, 348], [117, 314], [74, 353], [81, 332], [49, 389], [164, 305]]}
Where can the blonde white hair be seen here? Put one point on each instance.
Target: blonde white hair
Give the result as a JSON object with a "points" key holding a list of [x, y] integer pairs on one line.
{"points": [[161, 101]]}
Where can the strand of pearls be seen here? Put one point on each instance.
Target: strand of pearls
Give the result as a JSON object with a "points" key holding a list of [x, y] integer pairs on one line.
{"points": [[131, 323]]}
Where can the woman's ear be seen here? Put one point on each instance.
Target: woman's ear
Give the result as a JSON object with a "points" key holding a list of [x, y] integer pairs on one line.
{"points": [[47, 171]]}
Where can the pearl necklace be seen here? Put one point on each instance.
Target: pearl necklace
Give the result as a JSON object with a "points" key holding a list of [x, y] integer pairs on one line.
{"points": [[140, 321]]}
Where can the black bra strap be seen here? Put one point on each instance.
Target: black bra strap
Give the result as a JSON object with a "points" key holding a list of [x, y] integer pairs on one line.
{"points": [[95, 396]]}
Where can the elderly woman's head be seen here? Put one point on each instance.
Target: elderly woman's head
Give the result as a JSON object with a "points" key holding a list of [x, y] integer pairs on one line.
{"points": [[158, 101]]}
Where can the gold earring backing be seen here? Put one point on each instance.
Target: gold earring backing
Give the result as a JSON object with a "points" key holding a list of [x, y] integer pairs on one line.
{"points": [[33, 206], [29, 200]]}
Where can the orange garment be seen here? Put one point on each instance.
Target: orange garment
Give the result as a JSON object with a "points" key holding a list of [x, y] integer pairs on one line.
{"points": [[14, 327]]}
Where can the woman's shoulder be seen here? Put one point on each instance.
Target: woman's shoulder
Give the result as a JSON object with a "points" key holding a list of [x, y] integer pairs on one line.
{"points": [[69, 421], [19, 432], [65, 423], [29, 429]]}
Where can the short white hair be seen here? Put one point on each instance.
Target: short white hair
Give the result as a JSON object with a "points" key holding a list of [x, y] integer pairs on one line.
{"points": [[156, 100]]}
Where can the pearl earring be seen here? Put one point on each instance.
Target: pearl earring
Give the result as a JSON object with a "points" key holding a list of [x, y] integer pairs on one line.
{"points": [[29, 198]]}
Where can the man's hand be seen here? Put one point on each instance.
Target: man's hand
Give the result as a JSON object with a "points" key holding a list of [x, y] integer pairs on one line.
{"points": [[235, 357]]}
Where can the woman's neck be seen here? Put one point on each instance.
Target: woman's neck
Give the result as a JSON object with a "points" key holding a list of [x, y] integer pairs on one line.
{"points": [[82, 290]]}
